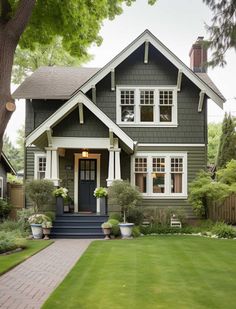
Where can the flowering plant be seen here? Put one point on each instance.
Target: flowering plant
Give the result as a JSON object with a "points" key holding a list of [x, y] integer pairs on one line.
{"points": [[47, 225], [100, 192], [38, 219], [63, 192]]}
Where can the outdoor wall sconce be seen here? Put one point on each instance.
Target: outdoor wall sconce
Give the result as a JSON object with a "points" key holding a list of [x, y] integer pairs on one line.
{"points": [[85, 153]]}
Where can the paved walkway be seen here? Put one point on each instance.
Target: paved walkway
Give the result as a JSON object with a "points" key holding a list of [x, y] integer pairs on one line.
{"points": [[29, 284]]}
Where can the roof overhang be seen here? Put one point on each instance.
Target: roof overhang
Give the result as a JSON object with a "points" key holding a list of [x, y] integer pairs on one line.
{"points": [[8, 164], [147, 36], [40, 133]]}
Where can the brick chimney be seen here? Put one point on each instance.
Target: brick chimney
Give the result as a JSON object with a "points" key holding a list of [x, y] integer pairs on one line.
{"points": [[198, 56]]}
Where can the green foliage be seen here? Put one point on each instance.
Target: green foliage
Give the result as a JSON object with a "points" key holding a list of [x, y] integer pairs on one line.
{"points": [[38, 219], [158, 215], [227, 175], [124, 195], [227, 146], [5, 208], [40, 193], [135, 216], [214, 132], [223, 230], [115, 230], [60, 192], [22, 218], [11, 241], [136, 231], [100, 192], [116, 216], [106, 225], [13, 179], [202, 190], [165, 229], [222, 29], [51, 215]]}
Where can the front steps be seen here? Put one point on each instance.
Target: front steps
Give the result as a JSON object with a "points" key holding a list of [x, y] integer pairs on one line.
{"points": [[78, 226]]}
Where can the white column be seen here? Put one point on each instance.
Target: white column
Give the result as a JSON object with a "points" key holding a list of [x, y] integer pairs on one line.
{"points": [[117, 164], [111, 167], [55, 167], [48, 163]]}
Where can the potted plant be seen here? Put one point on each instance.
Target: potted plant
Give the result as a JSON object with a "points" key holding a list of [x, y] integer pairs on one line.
{"points": [[126, 196], [101, 194], [106, 226], [36, 221], [46, 225], [60, 194]]}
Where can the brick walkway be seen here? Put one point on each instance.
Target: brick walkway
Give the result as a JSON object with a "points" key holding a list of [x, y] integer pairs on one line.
{"points": [[29, 284]]}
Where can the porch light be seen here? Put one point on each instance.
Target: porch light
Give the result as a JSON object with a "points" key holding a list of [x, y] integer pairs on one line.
{"points": [[85, 154]]}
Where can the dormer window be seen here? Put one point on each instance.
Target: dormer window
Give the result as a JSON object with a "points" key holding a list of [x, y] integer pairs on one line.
{"points": [[147, 106]]}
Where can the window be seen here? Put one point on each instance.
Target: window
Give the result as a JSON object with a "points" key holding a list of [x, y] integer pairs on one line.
{"points": [[147, 106], [1, 187], [161, 174], [40, 166]]}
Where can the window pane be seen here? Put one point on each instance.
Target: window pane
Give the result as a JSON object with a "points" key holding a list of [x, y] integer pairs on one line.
{"points": [[177, 165], [127, 113], [140, 165], [176, 183], [166, 97], [127, 97], [165, 113], [147, 97], [158, 165], [146, 113], [141, 182], [158, 181], [42, 164]]}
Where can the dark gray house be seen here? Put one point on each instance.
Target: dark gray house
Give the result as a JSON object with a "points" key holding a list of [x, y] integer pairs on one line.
{"points": [[142, 117], [5, 168]]}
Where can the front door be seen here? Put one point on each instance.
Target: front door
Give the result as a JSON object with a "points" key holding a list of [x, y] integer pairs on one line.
{"points": [[87, 184]]}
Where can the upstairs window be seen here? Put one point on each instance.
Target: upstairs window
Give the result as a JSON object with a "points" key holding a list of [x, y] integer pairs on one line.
{"points": [[147, 106], [40, 166]]}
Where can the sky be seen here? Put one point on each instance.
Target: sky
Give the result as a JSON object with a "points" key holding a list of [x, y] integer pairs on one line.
{"points": [[177, 24]]}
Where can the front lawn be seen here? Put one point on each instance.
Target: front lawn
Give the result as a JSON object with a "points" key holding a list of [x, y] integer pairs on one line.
{"points": [[151, 272], [9, 261]]}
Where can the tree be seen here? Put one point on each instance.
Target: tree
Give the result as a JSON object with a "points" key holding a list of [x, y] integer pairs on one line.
{"points": [[222, 29], [214, 132], [28, 22], [227, 146], [27, 61]]}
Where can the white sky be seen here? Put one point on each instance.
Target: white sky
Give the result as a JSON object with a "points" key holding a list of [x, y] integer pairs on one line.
{"points": [[177, 24]]}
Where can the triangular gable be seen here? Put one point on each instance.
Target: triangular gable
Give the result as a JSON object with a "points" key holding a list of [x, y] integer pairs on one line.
{"points": [[148, 36], [69, 106]]}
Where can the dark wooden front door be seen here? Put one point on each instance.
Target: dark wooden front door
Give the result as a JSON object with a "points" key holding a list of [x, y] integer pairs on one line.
{"points": [[87, 184]]}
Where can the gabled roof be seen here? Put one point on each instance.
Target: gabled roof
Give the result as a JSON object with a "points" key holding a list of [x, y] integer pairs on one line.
{"points": [[53, 82], [68, 107], [9, 168]]}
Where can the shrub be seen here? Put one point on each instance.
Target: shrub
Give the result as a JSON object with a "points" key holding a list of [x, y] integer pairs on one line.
{"points": [[22, 218], [100, 192], [223, 230], [135, 216], [38, 219], [136, 231], [165, 229], [124, 195], [5, 208], [116, 216], [115, 230], [40, 193], [106, 225], [51, 215], [11, 241]]}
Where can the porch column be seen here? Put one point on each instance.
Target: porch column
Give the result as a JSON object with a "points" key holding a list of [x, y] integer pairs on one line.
{"points": [[52, 165], [48, 163], [111, 167], [117, 164]]}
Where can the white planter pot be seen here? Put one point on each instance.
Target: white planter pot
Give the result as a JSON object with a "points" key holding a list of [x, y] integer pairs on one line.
{"points": [[126, 229], [37, 231]]}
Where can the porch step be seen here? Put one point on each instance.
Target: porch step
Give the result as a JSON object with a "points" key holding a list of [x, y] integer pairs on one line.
{"points": [[78, 235]]}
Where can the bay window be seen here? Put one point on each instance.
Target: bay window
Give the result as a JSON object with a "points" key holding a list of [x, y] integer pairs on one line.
{"points": [[161, 174]]}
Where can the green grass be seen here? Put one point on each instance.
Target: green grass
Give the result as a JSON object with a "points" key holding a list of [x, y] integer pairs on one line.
{"points": [[151, 272], [7, 262]]}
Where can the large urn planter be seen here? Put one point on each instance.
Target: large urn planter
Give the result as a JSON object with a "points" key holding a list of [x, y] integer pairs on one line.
{"points": [[106, 227], [126, 230], [37, 230], [46, 232]]}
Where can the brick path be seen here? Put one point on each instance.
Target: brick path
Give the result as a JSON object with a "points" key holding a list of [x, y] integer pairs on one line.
{"points": [[29, 284]]}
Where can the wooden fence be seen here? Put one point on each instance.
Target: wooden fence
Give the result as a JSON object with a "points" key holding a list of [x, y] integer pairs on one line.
{"points": [[16, 196], [225, 211]]}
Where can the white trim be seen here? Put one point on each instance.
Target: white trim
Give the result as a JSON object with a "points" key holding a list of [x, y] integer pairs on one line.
{"points": [[167, 155], [76, 178], [38, 155], [81, 113], [2, 187], [70, 105], [201, 100], [81, 142], [146, 52], [171, 145], [179, 80], [137, 106], [148, 36]]}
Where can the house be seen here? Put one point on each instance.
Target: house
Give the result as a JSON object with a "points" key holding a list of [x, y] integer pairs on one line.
{"points": [[5, 168], [142, 117]]}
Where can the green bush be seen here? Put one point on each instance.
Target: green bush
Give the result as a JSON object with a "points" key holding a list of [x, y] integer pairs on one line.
{"points": [[115, 230], [135, 216], [50, 214], [165, 229], [116, 216], [22, 218], [136, 231], [13, 226], [223, 230], [11, 241], [5, 208]]}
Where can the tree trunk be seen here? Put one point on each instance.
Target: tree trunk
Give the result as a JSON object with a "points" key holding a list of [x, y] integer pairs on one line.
{"points": [[10, 33]]}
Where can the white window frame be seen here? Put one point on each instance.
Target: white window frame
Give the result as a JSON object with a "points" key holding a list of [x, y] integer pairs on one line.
{"points": [[167, 155], [156, 107], [2, 186], [36, 163]]}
